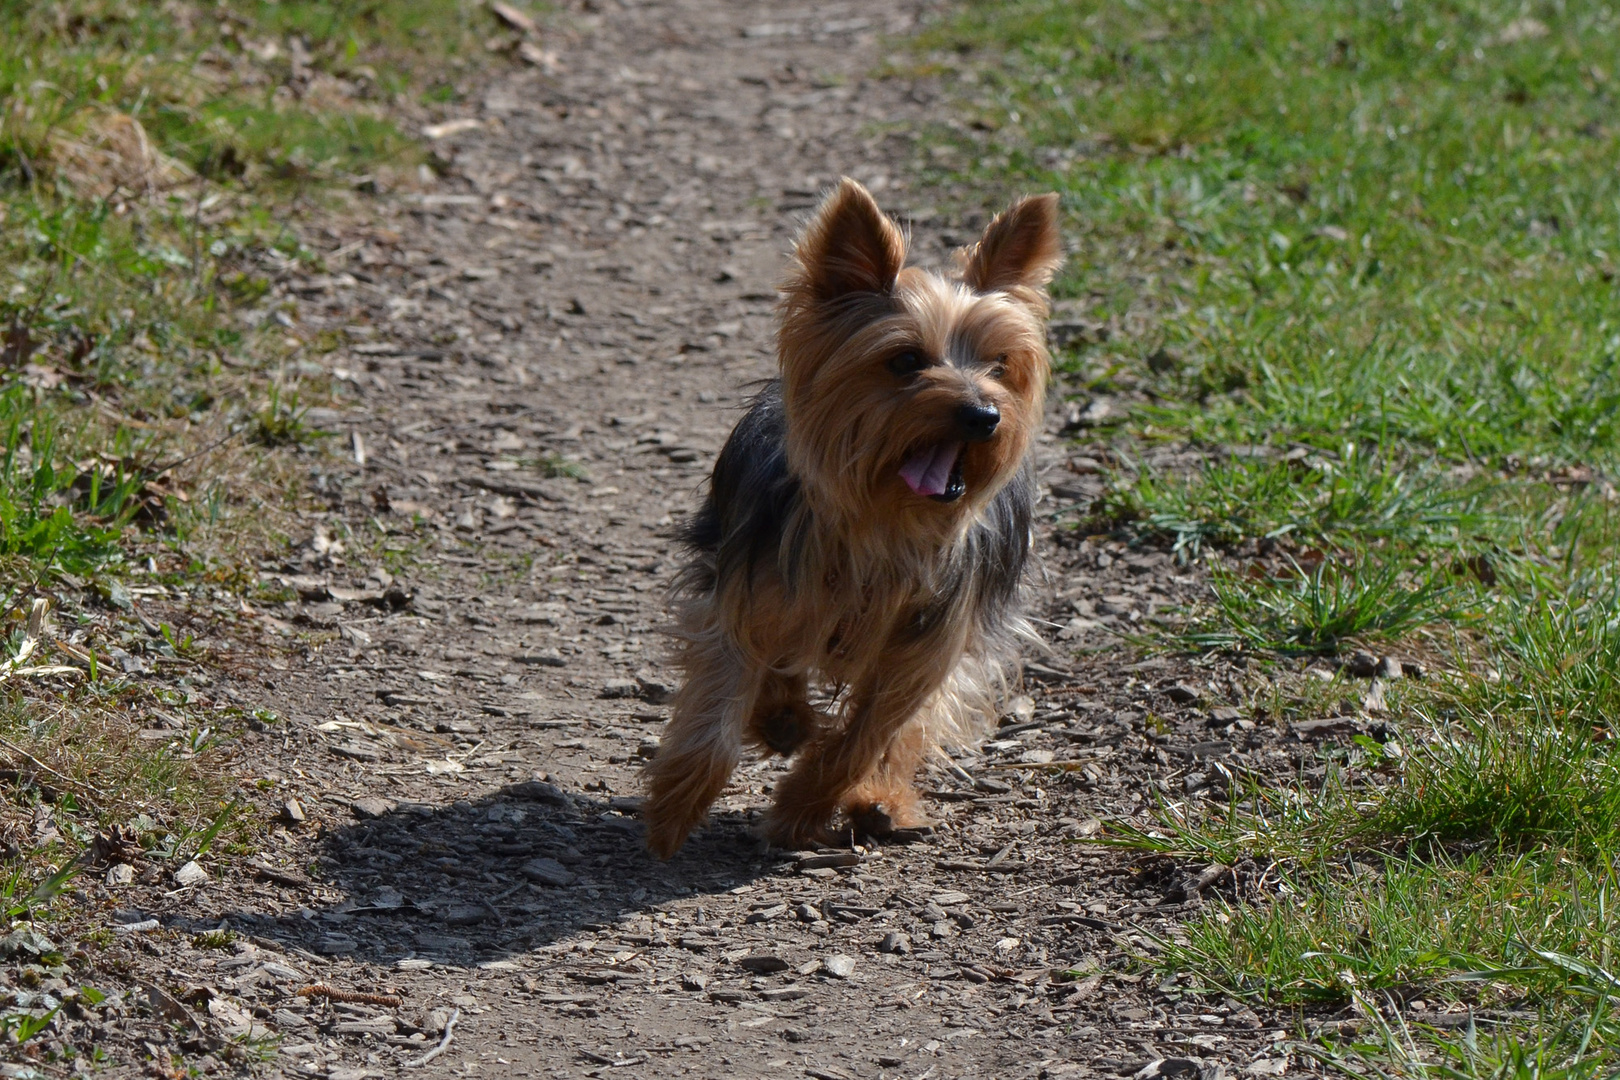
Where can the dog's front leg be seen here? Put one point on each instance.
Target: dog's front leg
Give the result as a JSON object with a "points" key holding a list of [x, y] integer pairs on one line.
{"points": [[831, 768]]}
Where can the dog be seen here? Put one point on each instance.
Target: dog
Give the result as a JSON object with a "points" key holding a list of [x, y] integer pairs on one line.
{"points": [[866, 529]]}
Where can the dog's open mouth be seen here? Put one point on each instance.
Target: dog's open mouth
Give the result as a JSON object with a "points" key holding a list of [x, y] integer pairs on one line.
{"points": [[936, 471]]}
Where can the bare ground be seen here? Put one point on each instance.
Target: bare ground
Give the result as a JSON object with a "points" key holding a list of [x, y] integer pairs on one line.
{"points": [[592, 283]]}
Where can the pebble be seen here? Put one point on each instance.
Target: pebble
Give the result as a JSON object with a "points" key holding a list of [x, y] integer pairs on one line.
{"points": [[292, 812], [621, 688], [145, 926], [548, 872], [1363, 665], [120, 874], [190, 875], [763, 963], [895, 942], [655, 689], [839, 966], [373, 806], [829, 859], [1182, 694]]}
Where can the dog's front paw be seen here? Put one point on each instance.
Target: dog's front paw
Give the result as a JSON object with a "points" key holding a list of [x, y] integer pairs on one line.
{"points": [[798, 830], [880, 820]]}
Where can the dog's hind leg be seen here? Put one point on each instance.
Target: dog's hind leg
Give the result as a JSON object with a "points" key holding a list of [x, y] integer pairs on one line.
{"points": [[702, 743]]}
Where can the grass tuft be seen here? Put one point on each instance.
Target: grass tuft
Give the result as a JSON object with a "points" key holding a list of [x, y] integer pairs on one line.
{"points": [[1325, 607]]}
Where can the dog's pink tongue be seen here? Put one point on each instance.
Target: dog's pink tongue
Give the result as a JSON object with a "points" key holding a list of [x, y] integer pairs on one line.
{"points": [[928, 472]]}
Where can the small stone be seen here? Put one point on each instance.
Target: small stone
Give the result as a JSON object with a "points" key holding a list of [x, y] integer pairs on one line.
{"points": [[655, 689], [1327, 727], [1169, 1069], [1373, 701], [1020, 710], [621, 688], [830, 859], [466, 914], [839, 966], [807, 913], [541, 792], [694, 981], [547, 872], [1389, 668], [433, 1022], [336, 945], [120, 874], [544, 658], [25, 943], [286, 1018], [796, 1035], [763, 963], [1363, 665], [190, 875], [766, 914], [292, 812], [357, 751], [373, 806], [895, 942], [1182, 694], [991, 787]]}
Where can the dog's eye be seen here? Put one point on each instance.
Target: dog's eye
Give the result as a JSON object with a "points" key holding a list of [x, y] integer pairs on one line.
{"points": [[998, 366], [907, 363]]}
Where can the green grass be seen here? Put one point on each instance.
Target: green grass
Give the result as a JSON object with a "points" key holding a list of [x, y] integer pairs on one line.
{"points": [[1318, 608], [1362, 256], [151, 155]]}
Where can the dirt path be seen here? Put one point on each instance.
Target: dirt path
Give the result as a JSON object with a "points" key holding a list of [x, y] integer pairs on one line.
{"points": [[593, 282]]}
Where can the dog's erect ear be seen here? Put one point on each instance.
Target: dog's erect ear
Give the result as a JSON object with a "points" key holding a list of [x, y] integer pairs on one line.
{"points": [[849, 246], [1020, 247]]}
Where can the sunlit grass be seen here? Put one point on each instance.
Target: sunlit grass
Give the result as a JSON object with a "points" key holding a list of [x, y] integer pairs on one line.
{"points": [[1364, 256]]}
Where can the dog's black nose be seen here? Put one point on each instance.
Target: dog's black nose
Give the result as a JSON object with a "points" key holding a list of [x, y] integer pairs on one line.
{"points": [[978, 422]]}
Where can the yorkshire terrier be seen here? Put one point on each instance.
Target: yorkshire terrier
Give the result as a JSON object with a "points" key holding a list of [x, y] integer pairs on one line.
{"points": [[866, 528]]}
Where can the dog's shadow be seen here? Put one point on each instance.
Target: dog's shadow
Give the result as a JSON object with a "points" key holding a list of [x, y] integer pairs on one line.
{"points": [[473, 882]]}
